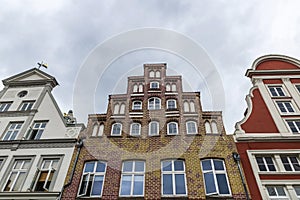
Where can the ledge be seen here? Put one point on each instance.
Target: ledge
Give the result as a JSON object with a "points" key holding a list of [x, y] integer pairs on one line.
{"points": [[29, 195]]}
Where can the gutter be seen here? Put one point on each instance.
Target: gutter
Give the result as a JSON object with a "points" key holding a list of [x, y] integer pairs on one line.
{"points": [[79, 145]]}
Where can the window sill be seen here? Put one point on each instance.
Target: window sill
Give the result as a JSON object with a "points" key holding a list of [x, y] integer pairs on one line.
{"points": [[219, 197]]}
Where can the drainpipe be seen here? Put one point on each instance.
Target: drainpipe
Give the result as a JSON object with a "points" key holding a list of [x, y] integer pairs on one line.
{"points": [[237, 159], [79, 145]]}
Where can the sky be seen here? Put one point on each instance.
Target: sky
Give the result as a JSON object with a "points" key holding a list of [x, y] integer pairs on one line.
{"points": [[66, 34]]}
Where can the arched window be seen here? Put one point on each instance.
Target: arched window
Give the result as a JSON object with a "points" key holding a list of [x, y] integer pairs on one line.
{"points": [[214, 127], [192, 106], [154, 103], [151, 74], [154, 85], [186, 107], [207, 128], [122, 108], [95, 129], [135, 88], [172, 128], [116, 108], [116, 129], [135, 129], [168, 87], [137, 105], [153, 128], [171, 104], [140, 87], [157, 74], [191, 127], [101, 130], [174, 87]]}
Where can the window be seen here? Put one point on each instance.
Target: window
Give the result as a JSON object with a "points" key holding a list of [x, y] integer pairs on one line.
{"points": [[46, 175], [4, 106], [135, 88], [116, 108], [276, 91], [171, 104], [191, 127], [132, 180], [174, 87], [141, 88], [12, 130], [154, 85], [154, 103], [2, 160], [92, 179], [297, 190], [192, 106], [276, 192], [153, 128], [298, 88], [214, 127], [186, 107], [265, 163], [207, 128], [157, 74], [17, 175], [290, 163], [135, 129], [22, 93], [285, 106], [168, 87], [151, 74], [137, 105], [172, 128], [173, 178], [37, 130], [116, 129], [122, 108], [215, 177], [294, 125], [211, 128], [95, 129], [26, 105]]}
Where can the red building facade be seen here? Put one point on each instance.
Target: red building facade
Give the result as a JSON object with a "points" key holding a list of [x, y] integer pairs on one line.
{"points": [[268, 138]]}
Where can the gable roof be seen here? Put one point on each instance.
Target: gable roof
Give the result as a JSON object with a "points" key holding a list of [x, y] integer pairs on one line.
{"points": [[32, 76]]}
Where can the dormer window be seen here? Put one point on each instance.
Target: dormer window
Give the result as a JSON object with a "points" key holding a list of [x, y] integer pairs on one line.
{"points": [[154, 85]]}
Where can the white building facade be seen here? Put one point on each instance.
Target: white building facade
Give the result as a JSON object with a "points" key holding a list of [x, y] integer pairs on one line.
{"points": [[36, 140]]}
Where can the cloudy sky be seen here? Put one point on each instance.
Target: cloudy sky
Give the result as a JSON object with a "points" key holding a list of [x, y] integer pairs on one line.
{"points": [[66, 33]]}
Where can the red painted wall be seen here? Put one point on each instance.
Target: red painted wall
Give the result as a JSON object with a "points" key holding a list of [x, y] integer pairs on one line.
{"points": [[275, 64]]}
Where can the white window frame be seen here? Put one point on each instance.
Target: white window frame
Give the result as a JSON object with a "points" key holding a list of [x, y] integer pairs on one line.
{"points": [[19, 171], [277, 197], [298, 88], [157, 74], [132, 173], [155, 106], [277, 89], [112, 129], [173, 87], [151, 74], [265, 163], [4, 106], [169, 101], [150, 128], [215, 172], [173, 172], [134, 107], [188, 131], [94, 174], [153, 84], [13, 132], [168, 128], [38, 128], [285, 106], [298, 194], [52, 168], [290, 162], [132, 129], [26, 105], [294, 122], [186, 106]]}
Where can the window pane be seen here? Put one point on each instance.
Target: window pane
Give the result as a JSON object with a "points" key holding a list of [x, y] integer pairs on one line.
{"points": [[280, 191], [89, 167], [126, 185], [10, 181], [84, 184], [297, 190], [218, 165], [167, 184], [178, 165], [206, 165], [127, 167], [97, 186], [100, 167], [20, 180], [139, 166], [180, 184], [138, 186], [271, 191], [210, 185], [167, 165], [222, 184]]}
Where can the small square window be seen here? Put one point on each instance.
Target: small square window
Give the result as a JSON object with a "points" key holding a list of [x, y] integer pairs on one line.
{"points": [[4, 106], [26, 105], [276, 91], [285, 106], [154, 85]]}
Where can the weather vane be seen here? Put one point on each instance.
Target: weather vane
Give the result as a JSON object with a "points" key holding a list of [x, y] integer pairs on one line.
{"points": [[41, 64]]}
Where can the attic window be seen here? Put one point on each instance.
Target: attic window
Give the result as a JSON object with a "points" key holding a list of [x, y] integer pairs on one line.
{"points": [[22, 93]]}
